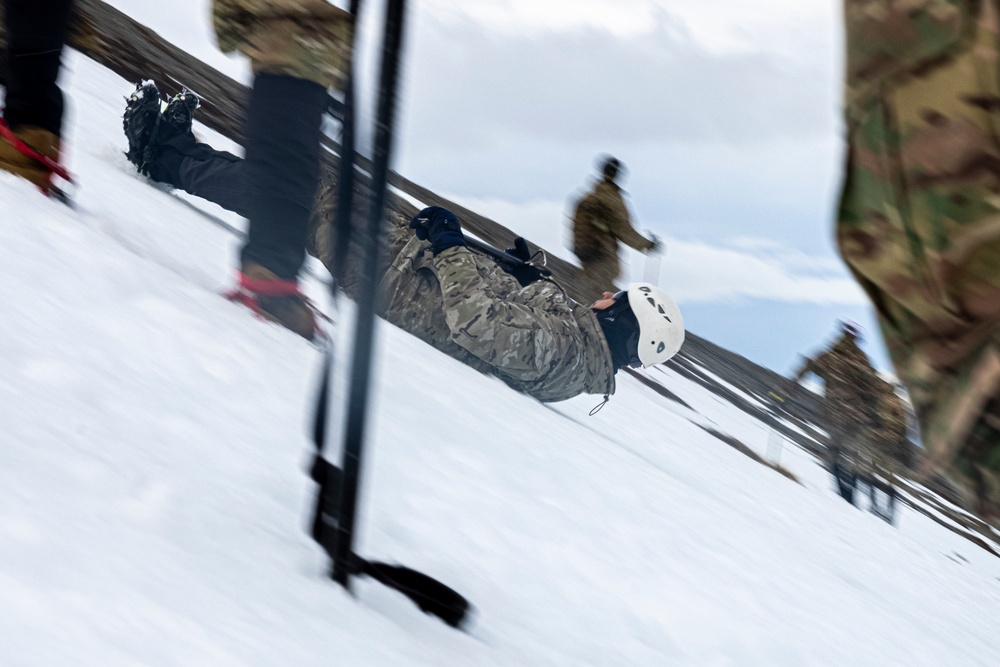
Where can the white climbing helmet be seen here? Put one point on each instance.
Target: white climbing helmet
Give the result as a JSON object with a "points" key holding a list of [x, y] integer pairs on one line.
{"points": [[661, 327]]}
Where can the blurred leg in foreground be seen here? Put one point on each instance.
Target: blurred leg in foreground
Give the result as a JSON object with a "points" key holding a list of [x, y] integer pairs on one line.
{"points": [[919, 218], [33, 107], [297, 49]]}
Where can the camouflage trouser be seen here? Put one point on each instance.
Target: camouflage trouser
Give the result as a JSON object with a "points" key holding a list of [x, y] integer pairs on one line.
{"points": [[873, 465], [308, 39], [918, 219], [978, 464]]}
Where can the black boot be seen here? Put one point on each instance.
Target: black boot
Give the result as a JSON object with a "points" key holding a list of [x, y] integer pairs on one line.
{"points": [[846, 481], [140, 121], [179, 116], [172, 140]]}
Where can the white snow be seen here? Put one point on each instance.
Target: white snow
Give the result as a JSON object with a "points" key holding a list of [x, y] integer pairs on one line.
{"points": [[153, 493]]}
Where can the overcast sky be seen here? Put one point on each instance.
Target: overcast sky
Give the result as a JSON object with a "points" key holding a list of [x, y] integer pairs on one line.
{"points": [[725, 112]]}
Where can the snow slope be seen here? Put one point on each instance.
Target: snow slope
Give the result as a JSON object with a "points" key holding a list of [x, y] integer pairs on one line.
{"points": [[153, 493]]}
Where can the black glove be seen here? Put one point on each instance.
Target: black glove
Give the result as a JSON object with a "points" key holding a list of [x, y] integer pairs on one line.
{"points": [[529, 273], [523, 270], [520, 250], [440, 227]]}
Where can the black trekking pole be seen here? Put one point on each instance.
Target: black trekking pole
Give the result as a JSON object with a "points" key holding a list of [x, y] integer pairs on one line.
{"points": [[326, 475], [333, 523], [364, 328]]}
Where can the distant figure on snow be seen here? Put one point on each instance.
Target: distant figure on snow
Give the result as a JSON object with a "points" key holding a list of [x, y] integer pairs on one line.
{"points": [[600, 220], [864, 417]]}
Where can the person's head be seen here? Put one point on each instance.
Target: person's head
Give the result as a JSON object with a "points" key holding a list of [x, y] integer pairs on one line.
{"points": [[642, 325], [851, 329], [610, 167]]}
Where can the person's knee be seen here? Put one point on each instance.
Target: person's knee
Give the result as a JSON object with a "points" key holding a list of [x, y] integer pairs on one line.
{"points": [[312, 40]]}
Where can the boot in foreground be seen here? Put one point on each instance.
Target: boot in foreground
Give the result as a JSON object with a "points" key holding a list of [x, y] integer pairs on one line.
{"points": [[275, 299]]}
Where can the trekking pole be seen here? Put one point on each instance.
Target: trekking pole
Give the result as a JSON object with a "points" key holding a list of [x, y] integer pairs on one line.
{"points": [[364, 328], [429, 594], [326, 512], [345, 178]]}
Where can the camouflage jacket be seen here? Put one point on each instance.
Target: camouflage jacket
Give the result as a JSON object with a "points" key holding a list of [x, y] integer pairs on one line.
{"points": [[600, 221], [919, 216], [534, 338], [308, 39], [865, 417], [851, 392]]}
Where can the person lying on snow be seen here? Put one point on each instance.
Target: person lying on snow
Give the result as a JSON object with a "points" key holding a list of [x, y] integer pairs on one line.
{"points": [[533, 336]]}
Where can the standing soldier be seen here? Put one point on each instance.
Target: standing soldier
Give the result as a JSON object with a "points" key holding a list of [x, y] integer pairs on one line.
{"points": [[919, 218], [851, 395], [600, 221]]}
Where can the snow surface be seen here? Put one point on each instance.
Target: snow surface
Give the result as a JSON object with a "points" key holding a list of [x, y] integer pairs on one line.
{"points": [[154, 494]]}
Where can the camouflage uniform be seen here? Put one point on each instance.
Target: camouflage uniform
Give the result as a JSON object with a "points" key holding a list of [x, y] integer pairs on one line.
{"points": [[308, 39], [919, 217], [600, 221], [851, 400], [534, 338], [890, 446]]}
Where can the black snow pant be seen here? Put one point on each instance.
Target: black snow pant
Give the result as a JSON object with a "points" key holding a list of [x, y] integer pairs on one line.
{"points": [[36, 32], [200, 170], [281, 170], [885, 511], [846, 482], [274, 187]]}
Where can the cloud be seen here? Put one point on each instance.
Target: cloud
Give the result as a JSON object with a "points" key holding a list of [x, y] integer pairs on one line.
{"points": [[623, 18], [719, 26], [476, 90], [697, 272]]}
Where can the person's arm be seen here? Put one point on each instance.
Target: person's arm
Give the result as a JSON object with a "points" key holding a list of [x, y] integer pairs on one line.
{"points": [[514, 335], [809, 365], [619, 221]]}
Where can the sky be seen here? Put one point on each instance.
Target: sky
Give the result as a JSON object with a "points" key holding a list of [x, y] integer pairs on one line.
{"points": [[154, 486], [726, 115]]}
